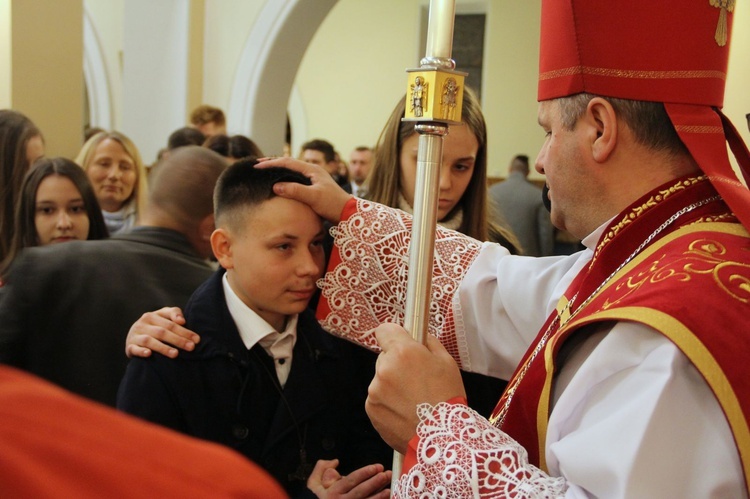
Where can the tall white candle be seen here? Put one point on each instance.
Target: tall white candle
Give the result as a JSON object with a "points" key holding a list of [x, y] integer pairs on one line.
{"points": [[440, 29]]}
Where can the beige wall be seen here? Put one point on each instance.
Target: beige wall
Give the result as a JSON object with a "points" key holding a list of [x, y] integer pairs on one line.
{"points": [[737, 97], [5, 54], [354, 69], [108, 19], [227, 26], [44, 74], [353, 73], [510, 85]]}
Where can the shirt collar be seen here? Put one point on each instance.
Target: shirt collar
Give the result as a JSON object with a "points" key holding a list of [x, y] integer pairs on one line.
{"points": [[592, 239], [251, 326]]}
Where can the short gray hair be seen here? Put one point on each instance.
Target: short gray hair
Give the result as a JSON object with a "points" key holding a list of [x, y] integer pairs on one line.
{"points": [[648, 121]]}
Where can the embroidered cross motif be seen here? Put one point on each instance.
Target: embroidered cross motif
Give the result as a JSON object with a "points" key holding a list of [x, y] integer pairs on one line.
{"points": [[721, 27]]}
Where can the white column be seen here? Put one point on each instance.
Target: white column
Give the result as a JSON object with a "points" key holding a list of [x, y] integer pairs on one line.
{"points": [[154, 72]]}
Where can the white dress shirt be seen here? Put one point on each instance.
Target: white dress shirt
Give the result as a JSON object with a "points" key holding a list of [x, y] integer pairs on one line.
{"points": [[253, 329]]}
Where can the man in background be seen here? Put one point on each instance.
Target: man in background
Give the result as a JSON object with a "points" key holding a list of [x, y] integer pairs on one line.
{"points": [[66, 308], [209, 120], [360, 161], [321, 152], [519, 205]]}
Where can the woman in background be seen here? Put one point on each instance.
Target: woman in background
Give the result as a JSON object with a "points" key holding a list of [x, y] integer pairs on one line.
{"points": [[57, 204], [21, 143], [118, 176], [462, 199], [462, 204]]}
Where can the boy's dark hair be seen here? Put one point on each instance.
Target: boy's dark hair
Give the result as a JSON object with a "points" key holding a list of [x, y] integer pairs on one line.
{"points": [[243, 185]]}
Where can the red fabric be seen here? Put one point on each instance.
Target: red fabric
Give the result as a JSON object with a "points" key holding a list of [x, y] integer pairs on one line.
{"points": [[350, 208], [705, 267], [410, 458], [662, 51], [702, 130], [56, 444]]}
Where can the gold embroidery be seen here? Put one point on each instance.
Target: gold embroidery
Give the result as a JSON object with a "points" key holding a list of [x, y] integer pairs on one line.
{"points": [[699, 129], [724, 217], [632, 73], [640, 210], [563, 309], [702, 359], [702, 257], [722, 33]]}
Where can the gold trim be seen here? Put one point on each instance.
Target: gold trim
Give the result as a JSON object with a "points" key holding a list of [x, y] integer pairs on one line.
{"points": [[633, 74], [699, 129], [734, 229], [542, 411], [725, 180], [697, 353], [640, 210]]}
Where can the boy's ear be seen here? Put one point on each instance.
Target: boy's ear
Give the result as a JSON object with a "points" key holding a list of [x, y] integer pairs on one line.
{"points": [[221, 244]]}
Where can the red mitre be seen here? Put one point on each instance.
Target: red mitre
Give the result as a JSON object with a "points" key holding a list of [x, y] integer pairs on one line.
{"points": [[670, 51]]}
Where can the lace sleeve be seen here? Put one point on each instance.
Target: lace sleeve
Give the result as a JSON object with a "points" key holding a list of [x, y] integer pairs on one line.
{"points": [[460, 454], [366, 281]]}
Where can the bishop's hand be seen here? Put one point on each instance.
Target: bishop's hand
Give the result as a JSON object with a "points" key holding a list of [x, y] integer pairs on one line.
{"points": [[324, 196], [407, 374]]}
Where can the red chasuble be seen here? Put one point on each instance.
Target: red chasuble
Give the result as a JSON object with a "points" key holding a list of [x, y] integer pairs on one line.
{"points": [[691, 283]]}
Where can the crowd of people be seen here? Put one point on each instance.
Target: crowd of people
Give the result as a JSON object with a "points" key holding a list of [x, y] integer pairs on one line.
{"points": [[591, 374]]}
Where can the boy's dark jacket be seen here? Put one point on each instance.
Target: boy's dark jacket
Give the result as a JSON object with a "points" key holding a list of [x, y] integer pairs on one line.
{"points": [[225, 393]]}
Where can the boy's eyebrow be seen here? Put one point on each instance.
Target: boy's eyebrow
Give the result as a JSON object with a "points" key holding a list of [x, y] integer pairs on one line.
{"points": [[284, 235]]}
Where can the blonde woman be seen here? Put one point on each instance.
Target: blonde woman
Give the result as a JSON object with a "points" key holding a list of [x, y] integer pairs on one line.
{"points": [[116, 171]]}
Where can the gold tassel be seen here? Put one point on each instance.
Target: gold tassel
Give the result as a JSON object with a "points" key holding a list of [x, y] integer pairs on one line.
{"points": [[721, 28]]}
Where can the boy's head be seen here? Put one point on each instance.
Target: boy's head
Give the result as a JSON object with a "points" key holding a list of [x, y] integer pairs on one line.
{"points": [[209, 120], [271, 247]]}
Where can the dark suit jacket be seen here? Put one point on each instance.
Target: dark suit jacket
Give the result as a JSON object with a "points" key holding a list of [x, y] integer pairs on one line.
{"points": [[66, 309], [228, 394], [520, 206]]}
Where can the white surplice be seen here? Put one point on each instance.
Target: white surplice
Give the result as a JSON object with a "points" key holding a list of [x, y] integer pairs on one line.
{"points": [[631, 416]]}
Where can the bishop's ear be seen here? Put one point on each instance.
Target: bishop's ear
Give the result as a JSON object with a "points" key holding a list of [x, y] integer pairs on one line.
{"points": [[602, 120]]}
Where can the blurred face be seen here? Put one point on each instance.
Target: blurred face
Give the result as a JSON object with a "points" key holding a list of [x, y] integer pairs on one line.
{"points": [[359, 165], [60, 214], [113, 175], [274, 261], [460, 148], [34, 149], [318, 158], [561, 160], [211, 128]]}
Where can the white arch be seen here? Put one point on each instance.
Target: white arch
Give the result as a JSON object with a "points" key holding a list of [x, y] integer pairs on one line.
{"points": [[267, 68], [95, 76]]}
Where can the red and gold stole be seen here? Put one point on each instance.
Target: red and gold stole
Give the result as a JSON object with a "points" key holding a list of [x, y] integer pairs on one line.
{"points": [[703, 257]]}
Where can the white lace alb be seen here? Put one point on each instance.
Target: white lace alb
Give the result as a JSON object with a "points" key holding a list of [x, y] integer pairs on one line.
{"points": [[368, 287], [460, 454]]}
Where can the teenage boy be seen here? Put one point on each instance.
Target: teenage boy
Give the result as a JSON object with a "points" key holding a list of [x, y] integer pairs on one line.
{"points": [[265, 380]]}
